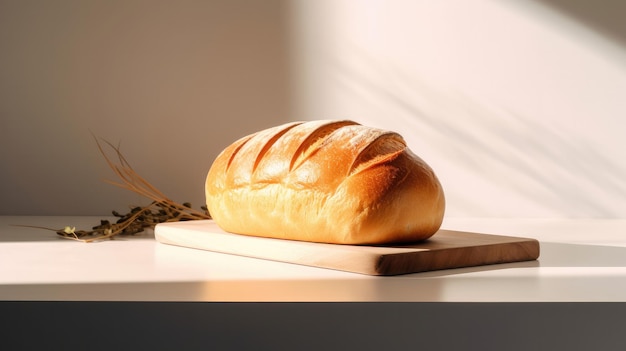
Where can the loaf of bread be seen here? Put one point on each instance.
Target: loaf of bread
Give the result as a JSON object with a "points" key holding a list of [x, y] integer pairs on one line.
{"points": [[325, 181]]}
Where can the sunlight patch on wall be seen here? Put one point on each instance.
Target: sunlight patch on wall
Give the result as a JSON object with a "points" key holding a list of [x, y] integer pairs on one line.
{"points": [[518, 109]]}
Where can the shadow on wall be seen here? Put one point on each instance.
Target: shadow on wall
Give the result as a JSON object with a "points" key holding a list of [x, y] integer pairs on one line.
{"points": [[173, 82], [603, 16]]}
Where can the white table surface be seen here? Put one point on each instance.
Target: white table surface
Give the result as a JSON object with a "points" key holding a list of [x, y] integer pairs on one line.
{"points": [[580, 261]]}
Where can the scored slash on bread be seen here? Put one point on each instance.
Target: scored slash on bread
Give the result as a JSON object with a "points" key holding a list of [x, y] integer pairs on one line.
{"points": [[325, 181]]}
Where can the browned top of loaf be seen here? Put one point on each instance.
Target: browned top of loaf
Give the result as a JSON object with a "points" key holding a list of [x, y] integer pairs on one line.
{"points": [[315, 155]]}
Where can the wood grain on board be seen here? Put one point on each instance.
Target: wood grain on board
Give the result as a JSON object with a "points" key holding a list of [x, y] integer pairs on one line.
{"points": [[446, 249]]}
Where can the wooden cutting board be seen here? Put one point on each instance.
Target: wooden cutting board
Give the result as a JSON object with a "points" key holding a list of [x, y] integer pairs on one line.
{"points": [[446, 249]]}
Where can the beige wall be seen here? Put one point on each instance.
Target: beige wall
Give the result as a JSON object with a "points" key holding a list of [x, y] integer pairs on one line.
{"points": [[172, 81], [519, 106]]}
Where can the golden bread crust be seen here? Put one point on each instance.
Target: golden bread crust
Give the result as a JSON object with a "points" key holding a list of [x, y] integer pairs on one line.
{"points": [[325, 181]]}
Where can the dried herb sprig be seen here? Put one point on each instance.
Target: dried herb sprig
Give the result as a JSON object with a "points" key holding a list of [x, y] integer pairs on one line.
{"points": [[160, 210], [134, 182]]}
